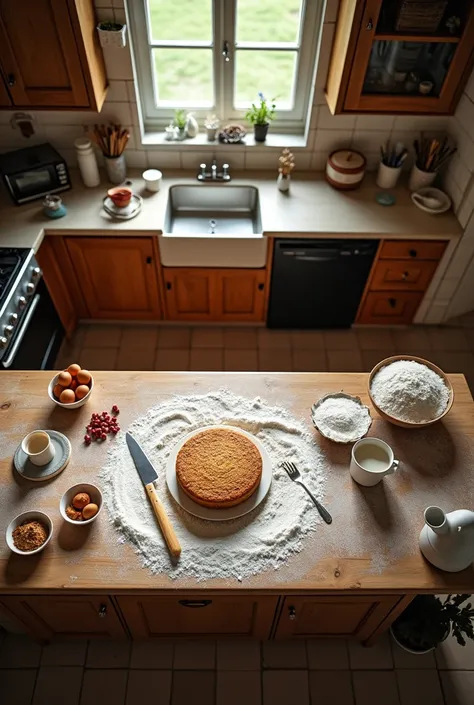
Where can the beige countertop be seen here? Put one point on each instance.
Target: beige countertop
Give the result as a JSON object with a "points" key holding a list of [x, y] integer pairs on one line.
{"points": [[311, 209]]}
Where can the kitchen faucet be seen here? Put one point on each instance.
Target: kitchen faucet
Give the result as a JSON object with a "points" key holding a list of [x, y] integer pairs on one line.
{"points": [[214, 174]]}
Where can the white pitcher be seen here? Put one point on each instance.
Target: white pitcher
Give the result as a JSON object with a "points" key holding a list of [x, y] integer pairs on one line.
{"points": [[447, 540]]}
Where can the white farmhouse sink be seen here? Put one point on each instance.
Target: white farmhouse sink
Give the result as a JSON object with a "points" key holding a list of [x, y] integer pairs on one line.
{"points": [[213, 225]]}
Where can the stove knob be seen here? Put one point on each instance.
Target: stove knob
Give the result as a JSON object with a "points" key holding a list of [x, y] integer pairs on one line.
{"points": [[22, 302], [36, 273], [7, 330], [13, 319], [29, 288], [3, 342]]}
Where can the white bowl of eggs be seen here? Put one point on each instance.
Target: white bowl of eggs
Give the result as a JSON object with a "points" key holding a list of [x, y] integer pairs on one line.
{"points": [[81, 504], [71, 388]]}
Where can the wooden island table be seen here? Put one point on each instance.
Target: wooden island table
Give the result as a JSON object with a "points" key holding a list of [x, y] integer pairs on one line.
{"points": [[351, 579]]}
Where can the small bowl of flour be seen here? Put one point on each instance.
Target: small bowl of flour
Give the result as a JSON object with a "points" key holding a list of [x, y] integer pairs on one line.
{"points": [[341, 417], [410, 391]]}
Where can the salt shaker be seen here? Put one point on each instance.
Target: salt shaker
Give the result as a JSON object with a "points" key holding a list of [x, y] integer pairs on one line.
{"points": [[87, 162]]}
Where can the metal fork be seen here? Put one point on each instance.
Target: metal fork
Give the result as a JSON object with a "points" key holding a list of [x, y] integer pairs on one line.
{"points": [[294, 474]]}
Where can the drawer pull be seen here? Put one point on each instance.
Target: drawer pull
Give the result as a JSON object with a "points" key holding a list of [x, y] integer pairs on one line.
{"points": [[405, 275], [413, 253], [103, 611], [149, 260], [11, 80], [168, 286], [392, 302], [292, 613], [194, 604], [261, 287], [370, 25]]}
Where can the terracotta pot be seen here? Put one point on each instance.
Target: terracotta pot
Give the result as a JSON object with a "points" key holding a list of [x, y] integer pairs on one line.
{"points": [[260, 132], [121, 196]]}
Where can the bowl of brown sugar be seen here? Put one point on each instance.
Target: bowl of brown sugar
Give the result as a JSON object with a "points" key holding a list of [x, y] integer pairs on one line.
{"points": [[29, 533]]}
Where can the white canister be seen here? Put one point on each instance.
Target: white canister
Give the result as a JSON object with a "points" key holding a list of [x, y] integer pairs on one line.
{"points": [[116, 169], [387, 176], [420, 178], [87, 162], [371, 460], [152, 179], [345, 169]]}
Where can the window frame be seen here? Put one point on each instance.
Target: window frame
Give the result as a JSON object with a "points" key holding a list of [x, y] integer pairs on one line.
{"points": [[223, 29]]}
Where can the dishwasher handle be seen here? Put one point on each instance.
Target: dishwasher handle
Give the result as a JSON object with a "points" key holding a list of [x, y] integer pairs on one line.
{"points": [[310, 258]]}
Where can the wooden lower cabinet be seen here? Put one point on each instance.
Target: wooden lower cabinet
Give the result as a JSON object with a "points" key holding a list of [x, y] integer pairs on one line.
{"points": [[390, 307], [205, 615], [77, 617], [355, 616]]}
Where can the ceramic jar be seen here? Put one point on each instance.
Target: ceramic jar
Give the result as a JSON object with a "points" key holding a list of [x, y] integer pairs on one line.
{"points": [[345, 169]]}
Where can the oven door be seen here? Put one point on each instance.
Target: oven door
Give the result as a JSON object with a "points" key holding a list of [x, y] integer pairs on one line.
{"points": [[37, 340], [37, 182]]}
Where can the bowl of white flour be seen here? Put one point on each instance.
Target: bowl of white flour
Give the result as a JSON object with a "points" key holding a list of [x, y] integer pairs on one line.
{"points": [[341, 417], [410, 391]]}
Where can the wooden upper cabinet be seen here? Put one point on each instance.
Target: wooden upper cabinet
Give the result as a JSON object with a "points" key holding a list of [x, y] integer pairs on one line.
{"points": [[116, 275], [399, 57], [50, 55]]}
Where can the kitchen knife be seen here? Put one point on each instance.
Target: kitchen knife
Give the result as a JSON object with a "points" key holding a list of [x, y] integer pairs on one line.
{"points": [[148, 476]]}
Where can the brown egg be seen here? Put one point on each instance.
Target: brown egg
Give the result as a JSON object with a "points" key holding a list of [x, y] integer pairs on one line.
{"points": [[64, 378], [80, 500], [57, 389], [81, 391], [74, 384], [73, 513], [74, 369], [89, 511], [67, 396], [83, 377]]}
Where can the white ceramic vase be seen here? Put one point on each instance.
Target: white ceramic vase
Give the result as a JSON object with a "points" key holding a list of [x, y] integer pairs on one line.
{"points": [[447, 540], [420, 179], [387, 176], [283, 182]]}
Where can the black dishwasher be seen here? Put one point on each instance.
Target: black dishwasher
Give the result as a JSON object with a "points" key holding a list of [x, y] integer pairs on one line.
{"points": [[318, 283]]}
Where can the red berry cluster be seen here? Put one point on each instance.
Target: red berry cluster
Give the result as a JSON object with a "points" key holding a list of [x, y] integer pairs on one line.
{"points": [[102, 424]]}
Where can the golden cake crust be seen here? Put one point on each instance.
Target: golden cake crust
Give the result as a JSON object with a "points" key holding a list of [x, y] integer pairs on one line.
{"points": [[219, 468]]}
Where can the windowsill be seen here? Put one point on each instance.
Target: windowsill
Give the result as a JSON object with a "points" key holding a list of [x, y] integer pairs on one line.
{"points": [[274, 139]]}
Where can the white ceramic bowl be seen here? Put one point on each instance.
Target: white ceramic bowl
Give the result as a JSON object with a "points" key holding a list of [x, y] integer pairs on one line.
{"points": [[22, 519], [94, 493], [75, 404]]}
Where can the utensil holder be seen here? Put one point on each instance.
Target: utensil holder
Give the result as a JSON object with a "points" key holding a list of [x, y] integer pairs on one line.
{"points": [[387, 176], [420, 178], [116, 169]]}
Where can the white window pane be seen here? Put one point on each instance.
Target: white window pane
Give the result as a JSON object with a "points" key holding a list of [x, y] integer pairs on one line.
{"points": [[180, 20], [268, 72], [268, 20], [183, 76]]}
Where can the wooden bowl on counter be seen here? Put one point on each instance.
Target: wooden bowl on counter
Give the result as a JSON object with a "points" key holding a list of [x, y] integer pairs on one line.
{"points": [[421, 361]]}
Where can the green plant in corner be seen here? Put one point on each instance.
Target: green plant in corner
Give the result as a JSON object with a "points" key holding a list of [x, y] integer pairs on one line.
{"points": [[110, 26], [180, 119], [261, 114]]}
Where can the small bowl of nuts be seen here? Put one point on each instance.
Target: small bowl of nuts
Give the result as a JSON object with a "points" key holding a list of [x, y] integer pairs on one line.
{"points": [[81, 504], [29, 533]]}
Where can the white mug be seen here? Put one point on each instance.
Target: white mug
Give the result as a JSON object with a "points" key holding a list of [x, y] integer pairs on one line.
{"points": [[152, 178], [38, 447], [371, 460]]}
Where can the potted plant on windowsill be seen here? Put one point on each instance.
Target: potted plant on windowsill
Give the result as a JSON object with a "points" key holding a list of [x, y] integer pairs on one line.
{"points": [[427, 621], [260, 116], [112, 34], [180, 120]]}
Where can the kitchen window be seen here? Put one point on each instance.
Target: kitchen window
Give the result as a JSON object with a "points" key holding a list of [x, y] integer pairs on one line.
{"points": [[215, 56]]}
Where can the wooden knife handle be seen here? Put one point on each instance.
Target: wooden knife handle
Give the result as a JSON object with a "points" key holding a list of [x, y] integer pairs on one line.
{"points": [[168, 532]]}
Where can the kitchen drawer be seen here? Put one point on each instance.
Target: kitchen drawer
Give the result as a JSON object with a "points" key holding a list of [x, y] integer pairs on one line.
{"points": [[354, 616], [412, 249], [401, 275], [202, 615], [389, 307]]}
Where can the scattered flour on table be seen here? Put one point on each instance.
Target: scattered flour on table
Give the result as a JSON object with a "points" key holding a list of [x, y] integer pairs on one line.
{"points": [[342, 419], [410, 391], [259, 541]]}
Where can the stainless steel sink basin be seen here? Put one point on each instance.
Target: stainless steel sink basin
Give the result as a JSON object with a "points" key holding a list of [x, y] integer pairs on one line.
{"points": [[210, 210]]}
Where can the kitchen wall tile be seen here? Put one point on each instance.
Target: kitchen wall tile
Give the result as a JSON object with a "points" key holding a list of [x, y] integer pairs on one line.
{"points": [[302, 161], [53, 682], [450, 655], [119, 14], [420, 123], [240, 338], [63, 135], [446, 289], [370, 141], [117, 92], [118, 4], [344, 361], [238, 655], [18, 651], [207, 337], [328, 121], [318, 161], [459, 172], [164, 158], [235, 159], [309, 360], [334, 687], [375, 122], [436, 314], [465, 113], [262, 160], [275, 360], [193, 688], [458, 687], [171, 337], [107, 686], [102, 336], [411, 683], [371, 657], [192, 160], [103, 3], [328, 654], [141, 683], [118, 63], [465, 212], [241, 360], [206, 359], [284, 654], [17, 685], [152, 653], [285, 687], [268, 338], [131, 94], [368, 684], [464, 142], [328, 140], [319, 97], [108, 653], [136, 159], [238, 687], [172, 359], [314, 117], [105, 14], [64, 652], [454, 192]]}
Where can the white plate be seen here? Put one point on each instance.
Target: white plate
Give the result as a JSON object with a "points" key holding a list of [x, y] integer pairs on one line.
{"points": [[219, 514], [130, 211]]}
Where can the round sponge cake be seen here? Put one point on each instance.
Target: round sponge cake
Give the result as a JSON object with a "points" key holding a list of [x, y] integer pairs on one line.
{"points": [[219, 468]]}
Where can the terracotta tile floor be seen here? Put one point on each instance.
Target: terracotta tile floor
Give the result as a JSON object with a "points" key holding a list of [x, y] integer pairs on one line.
{"points": [[150, 347]]}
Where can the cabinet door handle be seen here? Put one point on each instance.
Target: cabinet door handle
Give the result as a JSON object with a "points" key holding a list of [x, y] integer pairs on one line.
{"points": [[149, 260], [261, 287], [103, 611], [413, 253], [392, 302], [292, 613], [168, 286], [11, 80], [195, 604], [370, 25], [405, 275]]}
